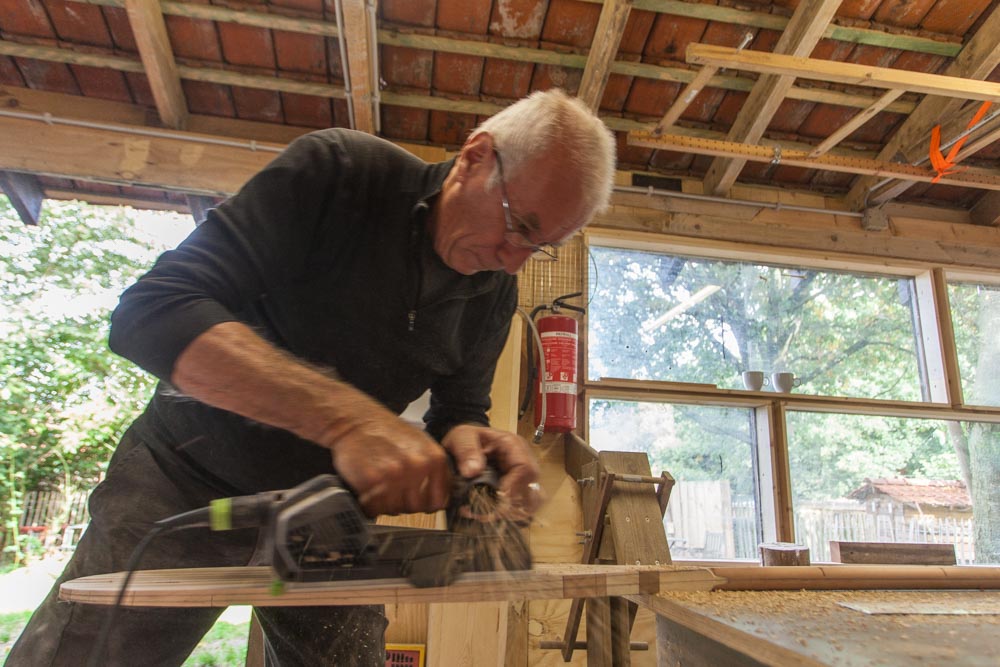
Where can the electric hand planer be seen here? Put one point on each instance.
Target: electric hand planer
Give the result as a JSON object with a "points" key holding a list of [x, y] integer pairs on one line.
{"points": [[316, 531]]}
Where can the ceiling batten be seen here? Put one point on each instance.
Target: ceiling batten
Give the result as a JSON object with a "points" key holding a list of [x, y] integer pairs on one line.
{"points": [[800, 37]]}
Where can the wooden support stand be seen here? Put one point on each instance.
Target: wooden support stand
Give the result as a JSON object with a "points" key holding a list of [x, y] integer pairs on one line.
{"points": [[623, 520]]}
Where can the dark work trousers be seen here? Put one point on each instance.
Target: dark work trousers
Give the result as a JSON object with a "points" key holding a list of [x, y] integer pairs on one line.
{"points": [[135, 494]]}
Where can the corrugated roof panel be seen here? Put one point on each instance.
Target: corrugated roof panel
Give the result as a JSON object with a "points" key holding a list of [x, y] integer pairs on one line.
{"points": [[300, 53], [651, 98], [466, 16], [554, 76], [671, 35], [103, 83], [459, 74], [208, 98], [121, 30], [407, 67], [25, 17], [412, 12], [79, 23], [449, 128], [903, 13], [858, 9], [9, 73], [506, 79], [194, 38], [43, 75], [257, 104], [571, 23], [246, 45], [139, 85], [405, 124], [307, 110], [954, 17]]}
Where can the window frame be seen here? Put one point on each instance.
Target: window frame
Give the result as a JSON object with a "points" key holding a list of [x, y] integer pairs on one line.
{"points": [[935, 333]]}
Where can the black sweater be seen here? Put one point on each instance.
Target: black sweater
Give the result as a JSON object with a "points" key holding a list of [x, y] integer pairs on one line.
{"points": [[323, 253]]}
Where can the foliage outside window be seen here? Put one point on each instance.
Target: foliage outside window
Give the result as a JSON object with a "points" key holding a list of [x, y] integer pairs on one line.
{"points": [[975, 312], [880, 479], [713, 509], [655, 316], [67, 398]]}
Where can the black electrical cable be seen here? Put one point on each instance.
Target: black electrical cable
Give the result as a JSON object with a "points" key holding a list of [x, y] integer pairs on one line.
{"points": [[193, 519]]}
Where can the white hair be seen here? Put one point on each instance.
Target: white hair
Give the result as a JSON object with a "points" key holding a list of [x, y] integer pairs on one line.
{"points": [[528, 128]]}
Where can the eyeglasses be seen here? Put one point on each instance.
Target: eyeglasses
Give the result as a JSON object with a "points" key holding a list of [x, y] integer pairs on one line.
{"points": [[516, 235]]}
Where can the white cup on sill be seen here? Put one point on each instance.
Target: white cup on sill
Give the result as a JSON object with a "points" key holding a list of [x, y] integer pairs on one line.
{"points": [[754, 380], [783, 382]]}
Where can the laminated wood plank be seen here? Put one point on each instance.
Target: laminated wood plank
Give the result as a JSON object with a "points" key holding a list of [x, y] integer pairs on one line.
{"points": [[221, 587], [902, 553]]}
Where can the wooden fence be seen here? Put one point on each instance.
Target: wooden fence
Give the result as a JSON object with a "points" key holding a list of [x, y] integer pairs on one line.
{"points": [[54, 518], [705, 520]]}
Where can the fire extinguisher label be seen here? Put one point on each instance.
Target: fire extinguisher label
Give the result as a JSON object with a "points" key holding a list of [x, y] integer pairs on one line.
{"points": [[560, 361]]}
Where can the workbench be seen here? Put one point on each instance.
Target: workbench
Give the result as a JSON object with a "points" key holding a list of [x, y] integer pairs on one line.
{"points": [[812, 628], [705, 615]]}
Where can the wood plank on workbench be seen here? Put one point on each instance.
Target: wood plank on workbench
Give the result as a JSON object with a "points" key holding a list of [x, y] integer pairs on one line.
{"points": [[224, 586]]}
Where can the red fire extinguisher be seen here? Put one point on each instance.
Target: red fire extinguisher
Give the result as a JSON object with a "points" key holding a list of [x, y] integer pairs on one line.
{"points": [[560, 337]]}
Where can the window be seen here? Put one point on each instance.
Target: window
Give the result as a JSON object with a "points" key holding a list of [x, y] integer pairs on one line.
{"points": [[712, 512], [655, 316], [975, 313], [873, 444], [861, 478]]}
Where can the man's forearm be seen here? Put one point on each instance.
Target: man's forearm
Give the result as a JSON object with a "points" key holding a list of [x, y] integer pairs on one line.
{"points": [[231, 367]]}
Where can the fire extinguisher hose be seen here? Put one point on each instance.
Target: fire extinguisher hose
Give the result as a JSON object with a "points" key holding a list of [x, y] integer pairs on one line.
{"points": [[541, 363]]}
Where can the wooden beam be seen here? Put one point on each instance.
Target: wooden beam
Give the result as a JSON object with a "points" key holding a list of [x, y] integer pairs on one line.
{"points": [[150, 31], [199, 205], [987, 210], [607, 37], [926, 42], [841, 72], [892, 553], [185, 163], [941, 44], [983, 179], [467, 47], [854, 123], [25, 195], [803, 32], [687, 96], [977, 60], [356, 33]]}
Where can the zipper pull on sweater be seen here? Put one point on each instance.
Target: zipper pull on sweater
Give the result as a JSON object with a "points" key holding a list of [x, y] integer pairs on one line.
{"points": [[412, 319]]}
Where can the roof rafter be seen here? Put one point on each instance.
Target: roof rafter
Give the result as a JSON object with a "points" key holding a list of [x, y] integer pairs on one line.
{"points": [[25, 194], [357, 33], [607, 38], [801, 35], [979, 57], [150, 31]]}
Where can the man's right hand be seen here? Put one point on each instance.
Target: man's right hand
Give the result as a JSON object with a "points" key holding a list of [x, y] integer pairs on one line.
{"points": [[393, 467]]}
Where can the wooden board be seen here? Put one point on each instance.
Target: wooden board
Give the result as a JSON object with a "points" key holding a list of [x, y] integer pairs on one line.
{"points": [[224, 586], [902, 553], [800, 628]]}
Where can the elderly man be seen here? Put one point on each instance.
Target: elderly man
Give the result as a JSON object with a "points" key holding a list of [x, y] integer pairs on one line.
{"points": [[289, 331]]}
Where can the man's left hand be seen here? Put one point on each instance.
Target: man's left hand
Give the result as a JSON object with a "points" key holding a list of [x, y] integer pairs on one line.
{"points": [[472, 445]]}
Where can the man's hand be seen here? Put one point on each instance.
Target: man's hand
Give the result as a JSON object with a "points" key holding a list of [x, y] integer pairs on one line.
{"points": [[471, 446], [393, 467]]}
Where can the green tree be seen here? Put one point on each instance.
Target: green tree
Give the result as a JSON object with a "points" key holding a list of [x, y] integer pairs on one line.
{"points": [[656, 316], [67, 397]]}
